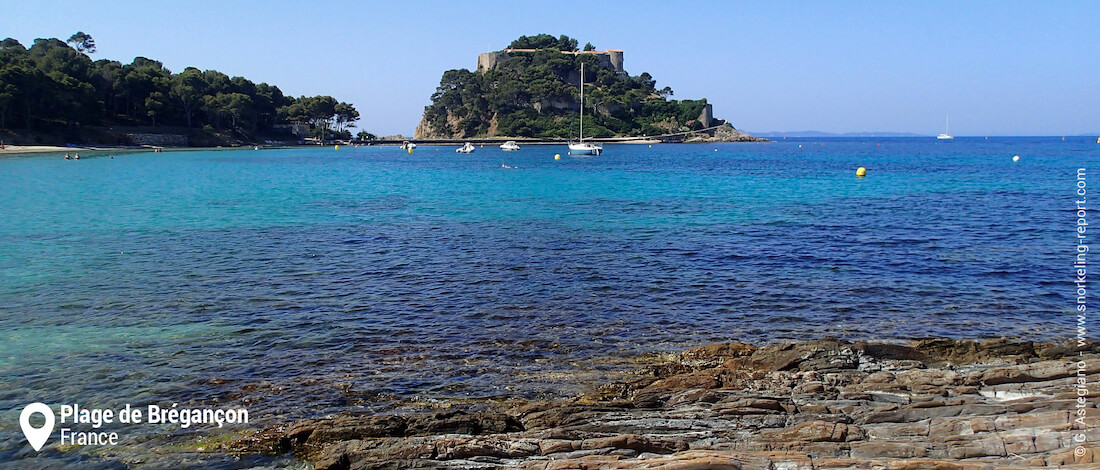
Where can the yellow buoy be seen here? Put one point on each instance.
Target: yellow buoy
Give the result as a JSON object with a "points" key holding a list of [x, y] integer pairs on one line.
{"points": [[337, 147], [650, 145], [410, 151], [1016, 158], [557, 156], [861, 172], [799, 145]]}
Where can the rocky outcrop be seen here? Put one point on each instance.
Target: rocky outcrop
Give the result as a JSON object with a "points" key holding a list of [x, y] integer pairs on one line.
{"points": [[823, 404], [424, 130], [725, 133]]}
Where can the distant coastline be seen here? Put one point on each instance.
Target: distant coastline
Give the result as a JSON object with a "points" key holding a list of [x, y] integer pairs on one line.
{"points": [[774, 134]]}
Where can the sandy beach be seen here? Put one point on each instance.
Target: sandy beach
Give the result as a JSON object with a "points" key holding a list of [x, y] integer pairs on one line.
{"points": [[21, 149]]}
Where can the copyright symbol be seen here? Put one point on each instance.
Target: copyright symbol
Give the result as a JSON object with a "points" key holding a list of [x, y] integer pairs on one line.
{"points": [[1079, 451]]}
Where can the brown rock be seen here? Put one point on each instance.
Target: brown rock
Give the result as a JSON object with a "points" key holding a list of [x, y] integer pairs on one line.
{"points": [[927, 464], [1034, 372], [822, 355], [812, 431], [694, 396], [1019, 444], [897, 430], [345, 428], [933, 377], [713, 355], [637, 443], [1089, 455], [450, 448], [561, 417], [810, 388], [896, 449], [887, 351], [458, 422], [967, 448], [961, 352], [703, 379]]}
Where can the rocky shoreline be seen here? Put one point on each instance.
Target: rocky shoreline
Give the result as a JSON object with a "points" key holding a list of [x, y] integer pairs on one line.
{"points": [[724, 133], [820, 404]]}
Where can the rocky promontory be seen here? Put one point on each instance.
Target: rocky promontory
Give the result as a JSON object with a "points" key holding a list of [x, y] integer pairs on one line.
{"points": [[723, 133], [821, 404]]}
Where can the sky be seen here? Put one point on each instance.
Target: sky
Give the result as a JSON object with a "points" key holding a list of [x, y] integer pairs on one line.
{"points": [[996, 68]]}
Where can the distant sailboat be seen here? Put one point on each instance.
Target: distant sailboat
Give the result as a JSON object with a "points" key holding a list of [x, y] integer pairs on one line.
{"points": [[946, 130], [581, 147]]}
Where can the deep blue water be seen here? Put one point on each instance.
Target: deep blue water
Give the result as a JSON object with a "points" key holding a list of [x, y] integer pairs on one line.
{"points": [[304, 282]]}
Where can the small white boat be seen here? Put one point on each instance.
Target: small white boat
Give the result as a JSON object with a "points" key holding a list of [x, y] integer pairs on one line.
{"points": [[581, 147], [509, 146], [585, 148], [946, 129], [406, 145], [465, 148]]}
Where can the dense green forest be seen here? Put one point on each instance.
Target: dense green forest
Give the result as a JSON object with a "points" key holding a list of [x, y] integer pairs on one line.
{"points": [[54, 86], [520, 93]]}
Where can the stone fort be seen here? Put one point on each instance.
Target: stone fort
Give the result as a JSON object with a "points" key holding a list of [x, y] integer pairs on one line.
{"points": [[611, 58]]}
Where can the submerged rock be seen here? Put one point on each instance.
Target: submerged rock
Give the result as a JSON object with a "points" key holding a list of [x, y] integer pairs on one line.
{"points": [[821, 404]]}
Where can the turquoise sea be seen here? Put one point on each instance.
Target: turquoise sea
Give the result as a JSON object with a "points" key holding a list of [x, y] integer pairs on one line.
{"points": [[312, 281]]}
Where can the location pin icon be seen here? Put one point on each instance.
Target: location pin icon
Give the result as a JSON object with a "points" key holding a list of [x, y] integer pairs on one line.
{"points": [[36, 436]]}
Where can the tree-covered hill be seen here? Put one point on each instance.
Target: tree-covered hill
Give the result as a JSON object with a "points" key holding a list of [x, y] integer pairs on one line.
{"points": [[536, 94], [54, 87]]}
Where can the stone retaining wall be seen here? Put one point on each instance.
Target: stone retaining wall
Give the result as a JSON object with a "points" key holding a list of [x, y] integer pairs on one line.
{"points": [[160, 140]]}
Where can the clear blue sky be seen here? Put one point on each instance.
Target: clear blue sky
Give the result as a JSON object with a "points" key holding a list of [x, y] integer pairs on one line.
{"points": [[998, 68]]}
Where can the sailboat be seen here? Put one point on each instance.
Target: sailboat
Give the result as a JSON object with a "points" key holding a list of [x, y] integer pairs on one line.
{"points": [[946, 129], [581, 147]]}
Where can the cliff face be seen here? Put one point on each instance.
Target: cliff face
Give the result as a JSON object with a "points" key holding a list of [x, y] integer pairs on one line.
{"points": [[424, 130]]}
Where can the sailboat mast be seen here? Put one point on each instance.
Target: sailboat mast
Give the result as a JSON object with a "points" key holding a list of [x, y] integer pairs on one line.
{"points": [[582, 101]]}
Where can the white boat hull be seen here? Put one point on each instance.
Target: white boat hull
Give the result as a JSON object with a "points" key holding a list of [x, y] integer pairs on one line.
{"points": [[585, 149]]}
